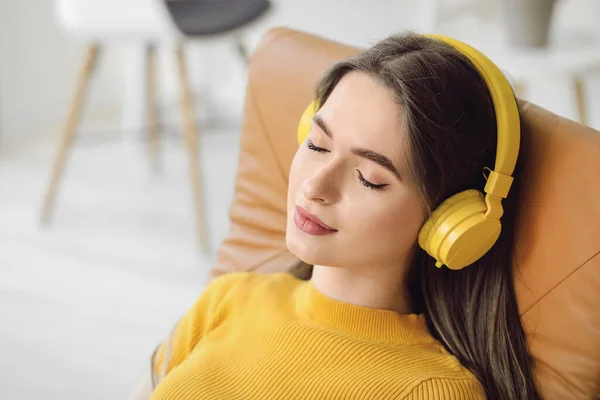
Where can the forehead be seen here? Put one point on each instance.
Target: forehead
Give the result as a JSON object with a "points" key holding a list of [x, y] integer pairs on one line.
{"points": [[363, 113]]}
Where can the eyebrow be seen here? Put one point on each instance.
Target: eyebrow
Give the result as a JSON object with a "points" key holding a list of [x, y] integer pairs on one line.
{"points": [[362, 152]]}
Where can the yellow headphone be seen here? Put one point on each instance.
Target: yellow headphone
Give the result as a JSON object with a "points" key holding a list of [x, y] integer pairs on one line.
{"points": [[465, 226]]}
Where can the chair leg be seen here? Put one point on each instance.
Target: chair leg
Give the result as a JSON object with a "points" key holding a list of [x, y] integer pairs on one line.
{"points": [[188, 123], [69, 129], [580, 98], [153, 139]]}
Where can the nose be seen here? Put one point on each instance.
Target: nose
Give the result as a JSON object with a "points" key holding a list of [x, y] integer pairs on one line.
{"points": [[323, 185]]}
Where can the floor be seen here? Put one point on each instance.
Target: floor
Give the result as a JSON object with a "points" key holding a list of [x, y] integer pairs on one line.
{"points": [[84, 300]]}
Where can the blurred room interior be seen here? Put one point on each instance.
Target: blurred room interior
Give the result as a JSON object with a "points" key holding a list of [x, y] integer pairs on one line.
{"points": [[99, 258]]}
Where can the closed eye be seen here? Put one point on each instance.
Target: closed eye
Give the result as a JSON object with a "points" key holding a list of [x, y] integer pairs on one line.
{"points": [[361, 178], [312, 147], [368, 184]]}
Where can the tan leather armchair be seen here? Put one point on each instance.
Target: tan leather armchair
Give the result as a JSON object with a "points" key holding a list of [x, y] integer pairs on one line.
{"points": [[558, 266]]}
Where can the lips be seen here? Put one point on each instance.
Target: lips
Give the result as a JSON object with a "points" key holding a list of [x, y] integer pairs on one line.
{"points": [[310, 224], [313, 218]]}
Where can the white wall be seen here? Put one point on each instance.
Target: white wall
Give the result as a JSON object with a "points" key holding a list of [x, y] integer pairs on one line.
{"points": [[38, 63]]}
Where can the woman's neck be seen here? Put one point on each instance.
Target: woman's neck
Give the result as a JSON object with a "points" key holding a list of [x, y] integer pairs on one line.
{"points": [[373, 288]]}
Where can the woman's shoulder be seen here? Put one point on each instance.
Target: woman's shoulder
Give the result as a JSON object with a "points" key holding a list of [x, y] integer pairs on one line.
{"points": [[443, 388], [443, 371]]}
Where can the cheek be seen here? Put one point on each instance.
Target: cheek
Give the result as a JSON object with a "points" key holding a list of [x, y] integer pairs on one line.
{"points": [[395, 220]]}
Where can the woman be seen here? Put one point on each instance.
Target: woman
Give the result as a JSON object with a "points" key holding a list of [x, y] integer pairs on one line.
{"points": [[401, 127]]}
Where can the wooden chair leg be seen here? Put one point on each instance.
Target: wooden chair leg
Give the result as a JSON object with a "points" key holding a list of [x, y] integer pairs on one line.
{"points": [[188, 123], [581, 103], [69, 129], [153, 139]]}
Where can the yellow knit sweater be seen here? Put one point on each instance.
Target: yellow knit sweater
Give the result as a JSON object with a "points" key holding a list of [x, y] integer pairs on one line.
{"points": [[274, 337]]}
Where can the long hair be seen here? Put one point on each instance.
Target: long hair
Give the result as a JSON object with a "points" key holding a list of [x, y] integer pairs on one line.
{"points": [[450, 125]]}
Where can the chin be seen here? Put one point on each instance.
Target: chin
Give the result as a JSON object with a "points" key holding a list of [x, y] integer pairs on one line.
{"points": [[306, 249]]}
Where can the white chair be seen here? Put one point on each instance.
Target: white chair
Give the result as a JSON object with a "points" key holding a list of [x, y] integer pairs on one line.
{"points": [[150, 23]]}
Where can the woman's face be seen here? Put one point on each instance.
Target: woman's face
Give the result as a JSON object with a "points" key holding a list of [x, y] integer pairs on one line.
{"points": [[352, 174]]}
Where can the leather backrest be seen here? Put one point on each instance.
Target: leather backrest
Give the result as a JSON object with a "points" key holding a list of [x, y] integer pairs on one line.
{"points": [[558, 229]]}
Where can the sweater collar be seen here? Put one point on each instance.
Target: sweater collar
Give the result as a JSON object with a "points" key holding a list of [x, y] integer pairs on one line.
{"points": [[359, 321]]}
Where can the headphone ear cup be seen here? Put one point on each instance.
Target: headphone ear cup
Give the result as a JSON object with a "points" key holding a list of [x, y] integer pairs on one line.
{"points": [[437, 216], [305, 124], [457, 233]]}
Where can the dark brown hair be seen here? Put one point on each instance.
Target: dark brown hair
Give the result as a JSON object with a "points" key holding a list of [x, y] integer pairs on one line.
{"points": [[451, 130]]}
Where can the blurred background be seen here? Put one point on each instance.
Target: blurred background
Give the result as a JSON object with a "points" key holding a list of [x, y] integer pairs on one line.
{"points": [[104, 238]]}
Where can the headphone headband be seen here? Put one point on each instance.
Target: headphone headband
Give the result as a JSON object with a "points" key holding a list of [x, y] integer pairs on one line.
{"points": [[507, 121]]}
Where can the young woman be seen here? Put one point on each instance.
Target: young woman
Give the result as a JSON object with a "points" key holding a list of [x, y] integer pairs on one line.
{"points": [[397, 130]]}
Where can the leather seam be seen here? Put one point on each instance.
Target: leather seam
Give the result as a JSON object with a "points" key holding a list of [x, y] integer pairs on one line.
{"points": [[559, 283], [266, 133], [562, 378]]}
